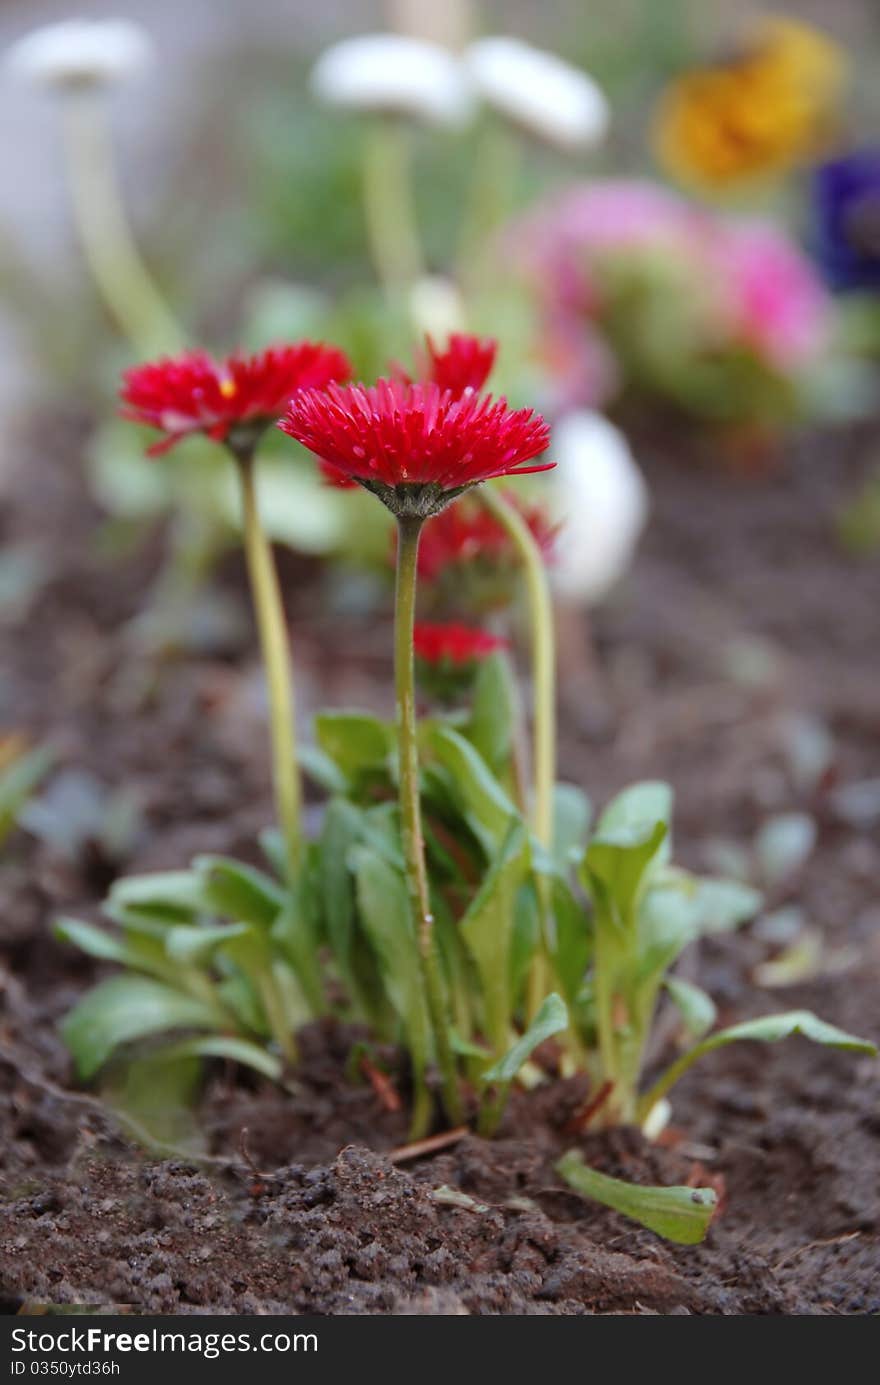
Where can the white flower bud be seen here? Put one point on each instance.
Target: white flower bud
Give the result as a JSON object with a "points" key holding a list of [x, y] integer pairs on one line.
{"points": [[81, 53], [601, 499], [394, 74], [539, 92]]}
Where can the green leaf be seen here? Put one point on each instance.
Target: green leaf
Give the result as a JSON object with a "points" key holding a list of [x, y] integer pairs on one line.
{"points": [[191, 944], [382, 833], [466, 1048], [487, 928], [571, 825], [354, 741], [109, 948], [295, 932], [551, 1019], [678, 1214], [18, 781], [274, 849], [696, 1008], [454, 961], [769, 1030], [524, 939], [386, 916], [493, 711], [174, 896], [439, 791], [617, 865], [487, 807], [345, 827], [573, 938], [341, 830], [292, 998], [239, 994], [126, 1008], [239, 892], [226, 1046], [639, 806], [667, 923], [316, 763]]}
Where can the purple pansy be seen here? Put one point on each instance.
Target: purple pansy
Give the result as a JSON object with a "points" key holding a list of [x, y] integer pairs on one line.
{"points": [[848, 220]]}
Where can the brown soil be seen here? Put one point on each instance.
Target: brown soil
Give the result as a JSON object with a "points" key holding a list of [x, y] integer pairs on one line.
{"points": [[305, 1212]]}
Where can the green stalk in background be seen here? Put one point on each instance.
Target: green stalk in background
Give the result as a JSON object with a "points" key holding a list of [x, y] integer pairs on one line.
{"points": [[543, 652], [275, 648], [490, 200], [409, 533], [123, 280], [139, 310], [389, 205]]}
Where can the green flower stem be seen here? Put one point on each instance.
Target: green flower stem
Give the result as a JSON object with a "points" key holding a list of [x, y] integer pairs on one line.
{"points": [[275, 646], [605, 970], [392, 227], [123, 280], [137, 307], [543, 649], [622, 1023], [409, 533]]}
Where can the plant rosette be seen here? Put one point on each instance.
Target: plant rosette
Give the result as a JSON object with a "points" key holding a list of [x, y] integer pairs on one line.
{"points": [[442, 903]]}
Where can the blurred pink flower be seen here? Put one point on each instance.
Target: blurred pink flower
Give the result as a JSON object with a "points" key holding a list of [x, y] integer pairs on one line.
{"points": [[737, 284], [617, 213], [560, 241], [773, 299]]}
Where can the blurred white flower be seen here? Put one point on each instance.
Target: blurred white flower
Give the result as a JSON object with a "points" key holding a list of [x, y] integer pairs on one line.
{"points": [[81, 53], [396, 74], [539, 92], [435, 307], [601, 499]]}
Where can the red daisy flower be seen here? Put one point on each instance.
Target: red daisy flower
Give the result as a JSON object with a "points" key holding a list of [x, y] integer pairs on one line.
{"points": [[415, 446], [195, 394], [466, 364], [467, 533], [453, 643]]}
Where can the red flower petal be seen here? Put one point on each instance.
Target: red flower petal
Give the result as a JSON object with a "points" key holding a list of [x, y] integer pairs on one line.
{"points": [[466, 363], [193, 393], [453, 643], [394, 434]]}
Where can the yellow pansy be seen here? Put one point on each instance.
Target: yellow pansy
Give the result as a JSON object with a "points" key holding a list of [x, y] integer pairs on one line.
{"points": [[766, 109], [799, 54]]}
